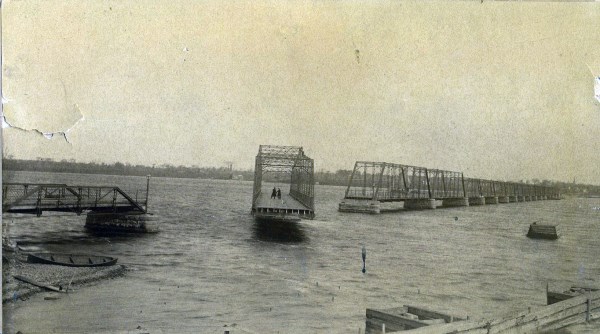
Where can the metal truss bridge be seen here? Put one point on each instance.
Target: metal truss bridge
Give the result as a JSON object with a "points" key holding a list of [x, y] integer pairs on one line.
{"points": [[35, 198], [419, 187], [283, 165]]}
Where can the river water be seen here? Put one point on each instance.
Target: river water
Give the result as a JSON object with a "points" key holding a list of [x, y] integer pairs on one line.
{"points": [[213, 266]]}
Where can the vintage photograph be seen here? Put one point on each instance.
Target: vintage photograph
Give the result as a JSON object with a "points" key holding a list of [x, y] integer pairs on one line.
{"points": [[300, 167]]}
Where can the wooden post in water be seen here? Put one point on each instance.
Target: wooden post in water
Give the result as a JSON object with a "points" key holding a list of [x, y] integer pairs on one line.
{"points": [[588, 303], [147, 190]]}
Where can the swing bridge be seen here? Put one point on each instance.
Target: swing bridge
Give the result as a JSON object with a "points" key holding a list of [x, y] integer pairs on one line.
{"points": [[283, 166], [108, 209], [373, 183]]}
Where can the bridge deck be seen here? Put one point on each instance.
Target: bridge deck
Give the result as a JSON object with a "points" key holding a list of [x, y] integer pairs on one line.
{"points": [[286, 208]]}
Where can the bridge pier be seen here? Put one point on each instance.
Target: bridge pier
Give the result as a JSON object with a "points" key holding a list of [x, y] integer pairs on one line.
{"points": [[419, 204], [527, 198], [452, 202], [129, 222], [491, 200], [479, 200], [360, 206], [512, 199], [503, 199]]}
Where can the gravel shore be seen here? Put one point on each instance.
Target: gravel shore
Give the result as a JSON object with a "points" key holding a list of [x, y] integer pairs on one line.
{"points": [[70, 278]]}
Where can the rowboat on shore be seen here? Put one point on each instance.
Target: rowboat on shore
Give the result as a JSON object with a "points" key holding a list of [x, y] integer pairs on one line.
{"points": [[72, 260]]}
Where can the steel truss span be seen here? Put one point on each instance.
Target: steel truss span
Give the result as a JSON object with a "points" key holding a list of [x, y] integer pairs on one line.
{"points": [[36, 198], [389, 182], [288, 165]]}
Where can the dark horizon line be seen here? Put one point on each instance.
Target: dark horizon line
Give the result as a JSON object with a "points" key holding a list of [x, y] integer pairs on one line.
{"points": [[167, 166]]}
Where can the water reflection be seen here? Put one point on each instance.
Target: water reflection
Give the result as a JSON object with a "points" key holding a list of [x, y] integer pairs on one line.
{"points": [[275, 231]]}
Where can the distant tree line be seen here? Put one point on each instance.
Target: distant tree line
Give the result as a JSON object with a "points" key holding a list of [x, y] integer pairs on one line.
{"points": [[568, 188], [339, 177], [165, 170]]}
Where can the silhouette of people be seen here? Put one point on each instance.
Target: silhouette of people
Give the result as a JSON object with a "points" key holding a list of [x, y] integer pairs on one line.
{"points": [[274, 193], [278, 193]]}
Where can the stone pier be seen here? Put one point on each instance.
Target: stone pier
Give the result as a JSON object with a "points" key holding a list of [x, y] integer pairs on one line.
{"points": [[479, 200], [130, 222], [527, 198], [358, 206], [512, 199], [450, 202], [503, 199], [520, 198], [419, 204], [491, 200]]}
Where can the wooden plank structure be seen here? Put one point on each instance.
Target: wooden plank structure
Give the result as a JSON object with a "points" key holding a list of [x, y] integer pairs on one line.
{"points": [[553, 297], [575, 310], [404, 318], [291, 163]]}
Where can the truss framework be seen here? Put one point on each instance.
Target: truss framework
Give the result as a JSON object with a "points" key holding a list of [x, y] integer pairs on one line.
{"points": [[389, 182], [37, 198], [288, 160]]}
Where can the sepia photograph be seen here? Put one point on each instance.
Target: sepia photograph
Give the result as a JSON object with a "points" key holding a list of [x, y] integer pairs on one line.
{"points": [[178, 166]]}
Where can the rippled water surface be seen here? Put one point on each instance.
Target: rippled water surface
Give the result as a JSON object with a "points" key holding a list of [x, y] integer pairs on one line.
{"points": [[212, 265]]}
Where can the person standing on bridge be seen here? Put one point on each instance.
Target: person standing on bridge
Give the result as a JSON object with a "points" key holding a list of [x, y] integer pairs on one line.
{"points": [[273, 193], [278, 193]]}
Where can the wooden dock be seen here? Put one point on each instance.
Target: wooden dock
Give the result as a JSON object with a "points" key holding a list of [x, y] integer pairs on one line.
{"points": [[575, 310], [404, 318]]}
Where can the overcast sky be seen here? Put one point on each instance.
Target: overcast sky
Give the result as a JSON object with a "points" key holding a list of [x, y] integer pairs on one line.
{"points": [[496, 90]]}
